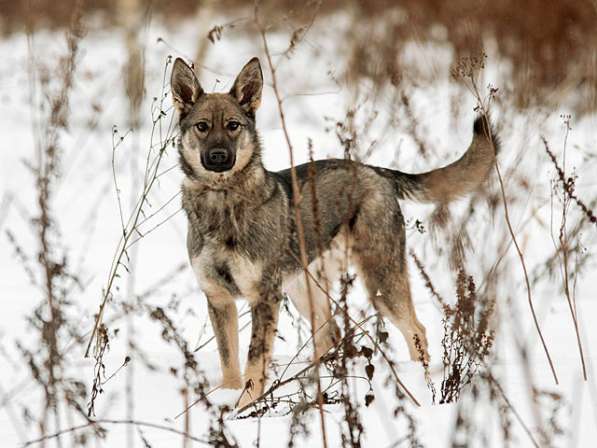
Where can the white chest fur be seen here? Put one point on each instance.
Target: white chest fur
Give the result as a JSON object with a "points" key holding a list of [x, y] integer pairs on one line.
{"points": [[221, 272]]}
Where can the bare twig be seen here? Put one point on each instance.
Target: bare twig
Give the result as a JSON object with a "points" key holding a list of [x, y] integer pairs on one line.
{"points": [[487, 129], [93, 423], [152, 169], [296, 200], [498, 387], [564, 249]]}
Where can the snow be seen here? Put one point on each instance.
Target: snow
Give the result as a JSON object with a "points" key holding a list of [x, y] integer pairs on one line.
{"points": [[86, 213]]}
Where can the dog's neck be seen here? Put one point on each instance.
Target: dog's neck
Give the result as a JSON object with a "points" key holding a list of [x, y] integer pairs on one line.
{"points": [[242, 187], [223, 211]]}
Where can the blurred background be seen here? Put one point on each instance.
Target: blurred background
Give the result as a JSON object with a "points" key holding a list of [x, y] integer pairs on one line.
{"points": [[548, 47]]}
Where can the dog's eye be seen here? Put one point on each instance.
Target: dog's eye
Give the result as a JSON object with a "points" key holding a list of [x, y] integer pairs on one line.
{"points": [[233, 125], [202, 126]]}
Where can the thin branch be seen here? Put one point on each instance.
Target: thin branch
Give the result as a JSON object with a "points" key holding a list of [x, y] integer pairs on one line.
{"points": [[567, 196], [92, 423], [296, 200], [131, 226], [498, 387], [487, 129]]}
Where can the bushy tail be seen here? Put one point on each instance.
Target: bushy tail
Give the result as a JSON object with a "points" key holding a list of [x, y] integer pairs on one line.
{"points": [[457, 179]]}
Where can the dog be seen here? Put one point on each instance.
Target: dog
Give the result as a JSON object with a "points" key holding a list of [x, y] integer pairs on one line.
{"points": [[242, 227]]}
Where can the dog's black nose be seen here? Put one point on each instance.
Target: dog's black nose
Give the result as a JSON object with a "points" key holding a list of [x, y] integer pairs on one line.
{"points": [[217, 156], [218, 159]]}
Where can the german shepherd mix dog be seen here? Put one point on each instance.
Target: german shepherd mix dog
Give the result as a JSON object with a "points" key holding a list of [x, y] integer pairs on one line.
{"points": [[242, 234]]}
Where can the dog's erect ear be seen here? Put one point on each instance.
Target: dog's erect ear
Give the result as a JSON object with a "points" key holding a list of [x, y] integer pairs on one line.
{"points": [[185, 87], [248, 85]]}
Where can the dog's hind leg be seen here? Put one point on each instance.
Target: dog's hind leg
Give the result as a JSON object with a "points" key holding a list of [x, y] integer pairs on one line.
{"points": [[379, 253], [395, 303], [224, 320], [316, 307]]}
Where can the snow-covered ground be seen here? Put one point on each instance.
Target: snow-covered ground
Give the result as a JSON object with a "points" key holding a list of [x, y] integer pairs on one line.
{"points": [[86, 212]]}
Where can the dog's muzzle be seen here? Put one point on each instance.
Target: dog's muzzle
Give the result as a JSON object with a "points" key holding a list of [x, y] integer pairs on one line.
{"points": [[218, 159]]}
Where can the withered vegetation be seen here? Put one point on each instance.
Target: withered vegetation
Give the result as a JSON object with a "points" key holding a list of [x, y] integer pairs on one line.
{"points": [[474, 287]]}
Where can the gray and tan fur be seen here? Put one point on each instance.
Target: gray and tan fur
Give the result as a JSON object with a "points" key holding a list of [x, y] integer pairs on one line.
{"points": [[242, 238]]}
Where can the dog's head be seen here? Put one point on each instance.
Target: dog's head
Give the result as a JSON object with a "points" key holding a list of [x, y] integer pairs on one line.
{"points": [[218, 137]]}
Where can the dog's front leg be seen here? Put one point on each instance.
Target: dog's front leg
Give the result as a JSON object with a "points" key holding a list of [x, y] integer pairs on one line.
{"points": [[224, 320], [264, 324]]}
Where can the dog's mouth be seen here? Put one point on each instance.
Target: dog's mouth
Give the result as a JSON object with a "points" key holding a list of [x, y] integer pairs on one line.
{"points": [[218, 159]]}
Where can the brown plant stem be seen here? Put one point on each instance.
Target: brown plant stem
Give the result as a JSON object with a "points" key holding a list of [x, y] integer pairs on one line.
{"points": [[487, 127], [296, 199], [92, 423]]}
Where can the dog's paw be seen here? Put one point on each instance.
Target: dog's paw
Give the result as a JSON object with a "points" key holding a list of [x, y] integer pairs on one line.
{"points": [[245, 399], [252, 390]]}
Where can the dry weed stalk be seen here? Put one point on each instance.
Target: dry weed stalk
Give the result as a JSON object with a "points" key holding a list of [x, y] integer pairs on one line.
{"points": [[467, 339], [95, 424], [568, 183], [296, 199], [130, 227], [563, 249], [47, 360], [468, 70]]}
